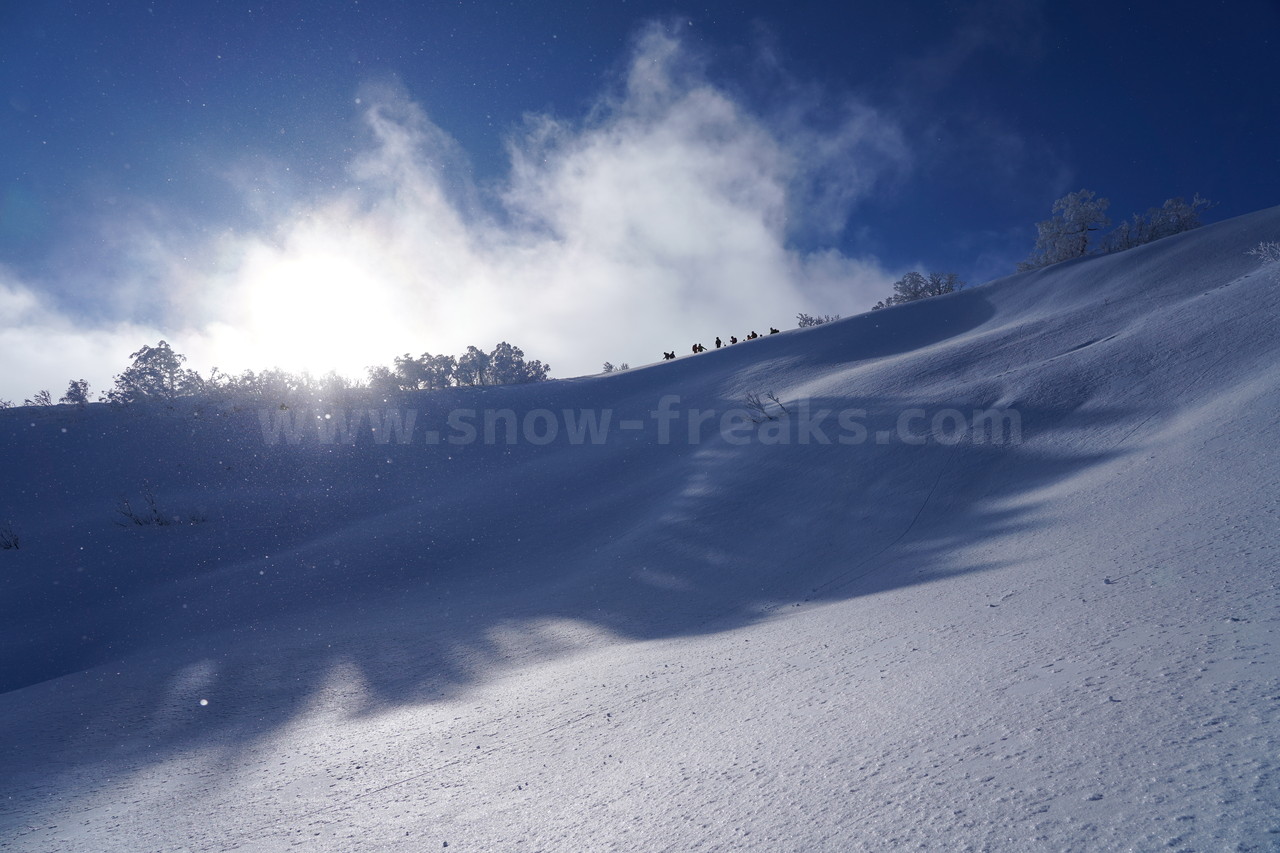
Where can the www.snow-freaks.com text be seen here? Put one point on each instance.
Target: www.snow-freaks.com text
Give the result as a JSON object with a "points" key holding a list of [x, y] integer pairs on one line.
{"points": [[767, 422]]}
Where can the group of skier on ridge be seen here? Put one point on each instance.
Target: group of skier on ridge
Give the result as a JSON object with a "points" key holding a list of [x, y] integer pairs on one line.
{"points": [[697, 348]]}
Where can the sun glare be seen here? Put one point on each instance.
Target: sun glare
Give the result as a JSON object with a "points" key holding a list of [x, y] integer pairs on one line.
{"points": [[317, 313]]}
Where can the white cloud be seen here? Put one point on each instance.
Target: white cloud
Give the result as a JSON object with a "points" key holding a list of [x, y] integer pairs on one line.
{"points": [[44, 350], [669, 215]]}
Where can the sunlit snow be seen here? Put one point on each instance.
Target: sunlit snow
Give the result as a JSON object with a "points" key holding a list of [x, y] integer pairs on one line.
{"points": [[1060, 642]]}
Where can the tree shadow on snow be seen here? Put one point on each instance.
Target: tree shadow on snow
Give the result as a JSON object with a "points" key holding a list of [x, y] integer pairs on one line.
{"points": [[418, 571]]}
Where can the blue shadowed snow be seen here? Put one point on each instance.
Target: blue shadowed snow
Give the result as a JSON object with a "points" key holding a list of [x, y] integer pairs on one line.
{"points": [[746, 639]]}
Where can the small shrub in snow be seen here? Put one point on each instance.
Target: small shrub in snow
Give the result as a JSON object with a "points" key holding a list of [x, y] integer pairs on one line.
{"points": [[1268, 251], [758, 408], [42, 398], [608, 367], [8, 538], [151, 516]]}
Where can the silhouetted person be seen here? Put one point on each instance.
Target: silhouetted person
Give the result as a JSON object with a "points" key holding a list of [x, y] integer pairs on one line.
{"points": [[668, 356], [772, 330], [718, 343], [733, 339]]}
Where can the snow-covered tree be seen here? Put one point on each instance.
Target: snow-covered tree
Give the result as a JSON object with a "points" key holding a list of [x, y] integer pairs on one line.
{"points": [[408, 374], [274, 385], [909, 288], [914, 286], [427, 372], [1128, 234], [1174, 217], [473, 367], [508, 367], [156, 374], [1177, 216], [1066, 234], [77, 393], [382, 380], [504, 365], [805, 321]]}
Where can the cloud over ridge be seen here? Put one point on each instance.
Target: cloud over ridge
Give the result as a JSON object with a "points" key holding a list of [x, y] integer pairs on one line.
{"points": [[669, 214]]}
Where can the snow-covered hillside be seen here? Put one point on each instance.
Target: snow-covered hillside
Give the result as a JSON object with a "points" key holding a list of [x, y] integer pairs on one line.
{"points": [[868, 630]]}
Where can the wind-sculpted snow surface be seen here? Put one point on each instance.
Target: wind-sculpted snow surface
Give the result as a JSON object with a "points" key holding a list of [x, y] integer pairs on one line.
{"points": [[993, 571]]}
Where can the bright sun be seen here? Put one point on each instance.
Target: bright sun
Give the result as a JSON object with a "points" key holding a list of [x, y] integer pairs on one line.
{"points": [[317, 313]]}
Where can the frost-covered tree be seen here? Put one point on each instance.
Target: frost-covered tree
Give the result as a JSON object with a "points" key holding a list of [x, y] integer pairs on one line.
{"points": [[909, 288], [805, 321], [427, 372], [914, 286], [333, 386], [1128, 234], [504, 365], [217, 385], [473, 367], [1174, 217], [77, 393], [276, 387], [382, 380], [1177, 216], [156, 374], [409, 372], [507, 366], [1066, 234], [438, 370], [275, 384]]}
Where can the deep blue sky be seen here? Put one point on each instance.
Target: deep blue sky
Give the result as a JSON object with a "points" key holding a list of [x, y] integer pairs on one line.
{"points": [[162, 109]]}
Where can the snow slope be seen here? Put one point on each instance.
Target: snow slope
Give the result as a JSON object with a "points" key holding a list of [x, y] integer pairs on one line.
{"points": [[687, 641]]}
